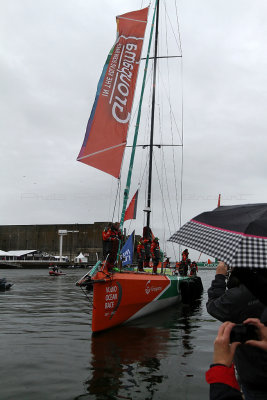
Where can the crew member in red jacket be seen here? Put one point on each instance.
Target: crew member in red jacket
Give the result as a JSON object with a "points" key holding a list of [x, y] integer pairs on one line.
{"points": [[193, 269], [106, 242], [183, 267], [140, 255], [111, 237], [155, 253], [147, 237]]}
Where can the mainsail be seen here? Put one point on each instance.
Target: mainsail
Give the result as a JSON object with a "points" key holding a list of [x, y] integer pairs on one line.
{"points": [[106, 132]]}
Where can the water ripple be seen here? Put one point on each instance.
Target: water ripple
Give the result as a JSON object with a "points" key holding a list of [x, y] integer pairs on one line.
{"points": [[50, 353]]}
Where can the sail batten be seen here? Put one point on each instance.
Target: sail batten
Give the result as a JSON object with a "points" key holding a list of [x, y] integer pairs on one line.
{"points": [[101, 151], [106, 133]]}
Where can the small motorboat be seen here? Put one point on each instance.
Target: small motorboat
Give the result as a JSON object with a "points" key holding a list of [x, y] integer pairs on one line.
{"points": [[4, 285], [56, 273]]}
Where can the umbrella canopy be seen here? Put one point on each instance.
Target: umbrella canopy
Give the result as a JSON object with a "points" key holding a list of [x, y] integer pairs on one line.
{"points": [[236, 234]]}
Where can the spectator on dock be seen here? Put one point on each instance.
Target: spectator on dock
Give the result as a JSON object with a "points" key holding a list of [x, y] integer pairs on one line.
{"points": [[231, 300], [221, 375], [244, 299]]}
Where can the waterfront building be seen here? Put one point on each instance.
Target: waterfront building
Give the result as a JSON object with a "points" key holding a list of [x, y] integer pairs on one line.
{"points": [[80, 238]]}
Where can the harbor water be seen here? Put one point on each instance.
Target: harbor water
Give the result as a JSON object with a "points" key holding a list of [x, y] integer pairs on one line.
{"points": [[49, 352]]}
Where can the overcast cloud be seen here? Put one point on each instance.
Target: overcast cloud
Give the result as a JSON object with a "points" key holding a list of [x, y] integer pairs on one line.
{"points": [[51, 57]]}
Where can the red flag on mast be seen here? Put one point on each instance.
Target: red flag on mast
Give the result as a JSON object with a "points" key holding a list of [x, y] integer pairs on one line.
{"points": [[130, 213], [219, 201]]}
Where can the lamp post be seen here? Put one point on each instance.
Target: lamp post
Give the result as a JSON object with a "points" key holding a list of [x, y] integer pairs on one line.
{"points": [[61, 233]]}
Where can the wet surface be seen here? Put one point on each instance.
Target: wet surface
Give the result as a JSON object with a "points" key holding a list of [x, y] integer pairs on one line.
{"points": [[49, 352]]}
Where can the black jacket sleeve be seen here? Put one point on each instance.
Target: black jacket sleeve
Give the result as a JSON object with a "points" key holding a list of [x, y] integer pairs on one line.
{"points": [[235, 304], [221, 391], [218, 287], [217, 305]]}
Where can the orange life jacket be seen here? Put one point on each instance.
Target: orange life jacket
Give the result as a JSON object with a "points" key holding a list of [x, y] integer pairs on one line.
{"points": [[111, 234], [140, 248]]}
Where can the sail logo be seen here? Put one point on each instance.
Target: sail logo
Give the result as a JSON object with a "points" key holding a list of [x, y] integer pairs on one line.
{"points": [[120, 78], [124, 76], [149, 288]]}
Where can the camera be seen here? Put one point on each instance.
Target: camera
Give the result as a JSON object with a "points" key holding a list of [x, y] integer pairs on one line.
{"points": [[243, 332]]}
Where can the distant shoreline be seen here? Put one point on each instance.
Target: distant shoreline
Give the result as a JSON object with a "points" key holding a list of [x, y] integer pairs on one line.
{"points": [[41, 265], [7, 265]]}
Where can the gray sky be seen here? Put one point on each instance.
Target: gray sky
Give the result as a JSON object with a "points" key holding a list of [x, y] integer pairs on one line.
{"points": [[51, 57]]}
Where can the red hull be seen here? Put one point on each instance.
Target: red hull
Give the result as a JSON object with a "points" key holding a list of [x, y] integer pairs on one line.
{"points": [[121, 296]]}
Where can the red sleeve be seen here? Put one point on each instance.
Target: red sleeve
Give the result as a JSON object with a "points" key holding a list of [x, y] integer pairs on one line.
{"points": [[106, 234], [222, 374]]}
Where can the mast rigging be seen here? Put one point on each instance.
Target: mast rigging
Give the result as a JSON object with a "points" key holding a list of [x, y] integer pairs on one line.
{"points": [[148, 206]]}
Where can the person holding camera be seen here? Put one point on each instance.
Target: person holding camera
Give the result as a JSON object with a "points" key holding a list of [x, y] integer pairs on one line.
{"points": [[244, 300], [221, 375], [232, 300]]}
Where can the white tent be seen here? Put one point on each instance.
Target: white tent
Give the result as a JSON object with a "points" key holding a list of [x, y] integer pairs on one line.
{"points": [[15, 254], [81, 258], [3, 253], [21, 253]]}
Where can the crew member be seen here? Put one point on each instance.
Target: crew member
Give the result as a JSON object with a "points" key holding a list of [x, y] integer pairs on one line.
{"points": [[107, 245], [111, 238], [185, 255], [140, 255], [147, 237], [183, 267], [193, 269], [167, 263], [176, 270], [155, 253]]}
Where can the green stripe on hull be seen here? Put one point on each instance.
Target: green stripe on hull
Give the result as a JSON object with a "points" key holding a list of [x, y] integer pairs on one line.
{"points": [[172, 290]]}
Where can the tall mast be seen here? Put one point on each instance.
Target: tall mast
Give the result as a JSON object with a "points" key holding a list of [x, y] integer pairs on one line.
{"points": [[129, 176], [148, 209]]}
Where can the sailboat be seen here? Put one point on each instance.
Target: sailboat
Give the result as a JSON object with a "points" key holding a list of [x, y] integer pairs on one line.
{"points": [[121, 295]]}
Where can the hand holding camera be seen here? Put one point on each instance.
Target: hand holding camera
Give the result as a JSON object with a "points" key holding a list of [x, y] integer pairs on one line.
{"points": [[251, 332], [261, 341], [224, 350]]}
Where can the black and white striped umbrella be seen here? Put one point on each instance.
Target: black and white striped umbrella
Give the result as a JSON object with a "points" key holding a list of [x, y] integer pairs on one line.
{"points": [[236, 235]]}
